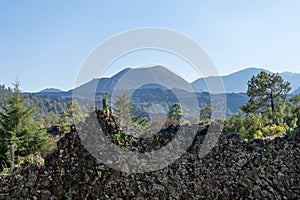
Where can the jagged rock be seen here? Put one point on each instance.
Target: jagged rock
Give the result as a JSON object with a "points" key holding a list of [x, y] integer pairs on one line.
{"points": [[233, 169]]}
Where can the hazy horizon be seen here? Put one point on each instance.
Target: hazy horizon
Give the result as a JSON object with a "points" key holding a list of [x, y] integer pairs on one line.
{"points": [[109, 76]]}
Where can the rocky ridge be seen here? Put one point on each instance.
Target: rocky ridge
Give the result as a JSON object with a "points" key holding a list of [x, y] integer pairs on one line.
{"points": [[261, 169]]}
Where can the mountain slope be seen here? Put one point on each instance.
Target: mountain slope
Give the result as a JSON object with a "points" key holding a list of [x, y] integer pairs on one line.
{"points": [[237, 82], [50, 90], [297, 91], [134, 78]]}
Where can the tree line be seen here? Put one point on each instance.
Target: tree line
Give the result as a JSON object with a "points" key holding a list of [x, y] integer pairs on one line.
{"points": [[23, 130], [24, 120]]}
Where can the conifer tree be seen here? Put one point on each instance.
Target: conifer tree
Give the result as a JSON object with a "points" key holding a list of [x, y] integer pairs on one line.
{"points": [[18, 129], [267, 92], [205, 116], [72, 115], [175, 113], [124, 109]]}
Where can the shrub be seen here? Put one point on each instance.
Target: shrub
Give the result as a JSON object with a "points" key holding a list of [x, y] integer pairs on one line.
{"points": [[271, 130]]}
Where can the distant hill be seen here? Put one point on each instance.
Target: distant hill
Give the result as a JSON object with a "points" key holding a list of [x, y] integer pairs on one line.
{"points": [[156, 77], [128, 78], [293, 78], [154, 85], [151, 86], [297, 91], [237, 82], [50, 90]]}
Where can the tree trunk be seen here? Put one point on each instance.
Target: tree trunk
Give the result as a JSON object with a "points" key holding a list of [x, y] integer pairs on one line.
{"points": [[272, 108], [12, 158]]}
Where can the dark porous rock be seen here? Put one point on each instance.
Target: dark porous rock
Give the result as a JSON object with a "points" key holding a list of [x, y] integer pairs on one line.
{"points": [[298, 122], [232, 169]]}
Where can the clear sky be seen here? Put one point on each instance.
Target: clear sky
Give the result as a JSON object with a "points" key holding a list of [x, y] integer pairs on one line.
{"points": [[44, 43]]}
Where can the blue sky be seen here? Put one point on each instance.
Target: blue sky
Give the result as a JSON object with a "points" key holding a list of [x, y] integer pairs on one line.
{"points": [[44, 43]]}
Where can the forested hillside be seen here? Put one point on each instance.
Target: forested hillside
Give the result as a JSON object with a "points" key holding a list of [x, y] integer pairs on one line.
{"points": [[264, 144], [30, 123]]}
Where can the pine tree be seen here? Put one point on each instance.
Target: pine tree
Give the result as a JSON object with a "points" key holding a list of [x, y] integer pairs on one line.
{"points": [[124, 109], [175, 113], [205, 116], [293, 111], [267, 94], [267, 109], [19, 130], [105, 103], [72, 115]]}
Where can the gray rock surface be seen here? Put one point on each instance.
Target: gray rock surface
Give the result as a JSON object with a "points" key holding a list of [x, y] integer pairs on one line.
{"points": [[261, 169]]}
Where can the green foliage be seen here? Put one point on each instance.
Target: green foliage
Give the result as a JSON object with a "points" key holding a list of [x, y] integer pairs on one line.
{"points": [[252, 127], [105, 103], [251, 124], [72, 115], [18, 129], [122, 139], [268, 112], [175, 113], [205, 116], [267, 94], [205, 113], [289, 131], [64, 122], [271, 130], [293, 111], [44, 105], [233, 124], [51, 119], [124, 109]]}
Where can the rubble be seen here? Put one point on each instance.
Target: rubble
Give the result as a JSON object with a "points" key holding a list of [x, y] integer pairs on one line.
{"points": [[233, 169]]}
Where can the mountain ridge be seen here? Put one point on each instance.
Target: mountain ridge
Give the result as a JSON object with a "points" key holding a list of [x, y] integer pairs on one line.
{"points": [[237, 82], [50, 90], [134, 78]]}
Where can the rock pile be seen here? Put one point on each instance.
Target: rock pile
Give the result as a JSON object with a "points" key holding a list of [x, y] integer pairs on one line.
{"points": [[141, 144], [261, 169]]}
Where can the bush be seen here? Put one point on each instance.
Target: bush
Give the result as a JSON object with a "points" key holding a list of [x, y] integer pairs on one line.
{"points": [[271, 130]]}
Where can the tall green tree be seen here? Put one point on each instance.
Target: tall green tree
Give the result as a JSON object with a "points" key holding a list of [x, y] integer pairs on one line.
{"points": [[18, 129], [267, 93], [123, 110], [268, 113], [72, 115], [205, 116], [105, 103], [175, 113], [293, 111]]}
